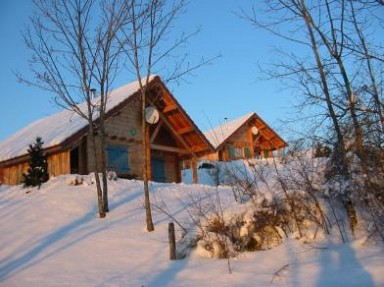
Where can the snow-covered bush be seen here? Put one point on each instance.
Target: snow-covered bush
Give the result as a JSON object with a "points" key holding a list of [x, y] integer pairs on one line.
{"points": [[222, 233], [273, 199], [112, 175], [75, 180]]}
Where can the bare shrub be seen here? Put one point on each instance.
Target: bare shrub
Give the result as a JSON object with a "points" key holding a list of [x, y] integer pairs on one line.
{"points": [[241, 181]]}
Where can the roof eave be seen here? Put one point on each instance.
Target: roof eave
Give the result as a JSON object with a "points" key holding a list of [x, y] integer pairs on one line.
{"points": [[210, 149]]}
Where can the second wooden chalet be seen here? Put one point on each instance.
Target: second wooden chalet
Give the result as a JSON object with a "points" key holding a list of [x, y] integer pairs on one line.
{"points": [[246, 137], [173, 137]]}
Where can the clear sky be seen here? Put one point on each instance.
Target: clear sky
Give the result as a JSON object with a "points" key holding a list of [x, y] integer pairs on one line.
{"points": [[230, 87]]}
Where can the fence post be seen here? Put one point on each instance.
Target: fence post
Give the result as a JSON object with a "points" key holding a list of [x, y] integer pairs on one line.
{"points": [[172, 241]]}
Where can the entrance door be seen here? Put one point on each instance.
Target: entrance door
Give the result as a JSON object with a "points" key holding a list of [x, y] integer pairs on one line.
{"points": [[158, 169]]}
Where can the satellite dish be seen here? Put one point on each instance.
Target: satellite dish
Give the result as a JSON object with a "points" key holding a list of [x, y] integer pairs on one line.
{"points": [[255, 130], [152, 115]]}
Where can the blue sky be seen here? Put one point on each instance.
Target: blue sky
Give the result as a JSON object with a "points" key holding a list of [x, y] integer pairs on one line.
{"points": [[230, 87]]}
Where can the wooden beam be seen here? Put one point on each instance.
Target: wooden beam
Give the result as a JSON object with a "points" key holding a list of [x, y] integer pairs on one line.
{"points": [[198, 148], [250, 143], [169, 108], [256, 139], [179, 137], [169, 148], [185, 130], [261, 126], [156, 131], [194, 171], [272, 139]]}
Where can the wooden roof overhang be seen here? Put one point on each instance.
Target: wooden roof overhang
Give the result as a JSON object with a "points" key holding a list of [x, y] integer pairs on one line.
{"points": [[266, 133], [191, 141]]}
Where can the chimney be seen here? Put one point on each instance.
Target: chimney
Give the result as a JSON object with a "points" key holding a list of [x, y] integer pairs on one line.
{"points": [[93, 93]]}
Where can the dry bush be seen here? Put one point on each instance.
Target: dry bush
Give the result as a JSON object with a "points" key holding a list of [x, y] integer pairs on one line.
{"points": [[242, 182], [292, 197]]}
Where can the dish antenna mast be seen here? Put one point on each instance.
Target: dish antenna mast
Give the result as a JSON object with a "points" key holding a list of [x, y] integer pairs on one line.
{"points": [[152, 115]]}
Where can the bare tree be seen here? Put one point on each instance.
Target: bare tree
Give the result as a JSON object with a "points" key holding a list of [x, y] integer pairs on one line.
{"points": [[362, 47], [310, 77], [147, 45], [330, 79], [74, 52]]}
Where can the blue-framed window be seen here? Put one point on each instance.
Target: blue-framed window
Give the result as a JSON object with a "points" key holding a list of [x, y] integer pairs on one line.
{"points": [[231, 152], [118, 159], [158, 169], [235, 152]]}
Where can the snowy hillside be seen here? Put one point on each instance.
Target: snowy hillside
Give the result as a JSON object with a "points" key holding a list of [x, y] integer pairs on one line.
{"points": [[52, 237]]}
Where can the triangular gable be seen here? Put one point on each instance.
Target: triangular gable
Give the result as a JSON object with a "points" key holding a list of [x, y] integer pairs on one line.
{"points": [[220, 135], [274, 140], [178, 121]]}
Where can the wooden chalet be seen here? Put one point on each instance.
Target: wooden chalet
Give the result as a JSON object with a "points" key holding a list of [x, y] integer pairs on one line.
{"points": [[173, 138], [246, 137]]}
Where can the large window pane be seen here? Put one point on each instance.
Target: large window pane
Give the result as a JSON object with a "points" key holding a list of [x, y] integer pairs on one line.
{"points": [[118, 159]]}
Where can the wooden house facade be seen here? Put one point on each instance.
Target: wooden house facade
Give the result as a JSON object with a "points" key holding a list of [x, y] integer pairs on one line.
{"points": [[246, 137], [172, 138]]}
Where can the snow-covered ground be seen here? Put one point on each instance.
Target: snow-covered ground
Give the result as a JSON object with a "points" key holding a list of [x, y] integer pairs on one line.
{"points": [[53, 237]]}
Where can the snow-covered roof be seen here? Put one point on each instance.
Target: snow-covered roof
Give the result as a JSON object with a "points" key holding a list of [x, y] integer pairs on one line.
{"points": [[221, 133], [55, 129]]}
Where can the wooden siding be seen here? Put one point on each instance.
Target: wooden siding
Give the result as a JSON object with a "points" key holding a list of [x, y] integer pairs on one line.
{"points": [[13, 175], [210, 157], [237, 143], [124, 129], [59, 163], [171, 165]]}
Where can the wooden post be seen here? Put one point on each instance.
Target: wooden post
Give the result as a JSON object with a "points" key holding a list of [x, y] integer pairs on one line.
{"points": [[194, 170], [172, 241], [250, 144]]}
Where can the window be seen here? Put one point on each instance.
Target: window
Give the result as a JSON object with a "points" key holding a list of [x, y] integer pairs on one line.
{"points": [[235, 152], [231, 152], [239, 152], [247, 152], [158, 169], [118, 159]]}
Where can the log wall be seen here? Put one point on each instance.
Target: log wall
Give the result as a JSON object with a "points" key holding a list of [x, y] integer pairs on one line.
{"points": [[171, 165], [58, 164], [13, 175], [124, 129]]}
